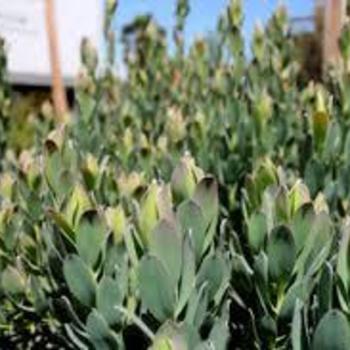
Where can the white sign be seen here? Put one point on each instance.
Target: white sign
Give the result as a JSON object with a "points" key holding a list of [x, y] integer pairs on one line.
{"points": [[23, 26]]}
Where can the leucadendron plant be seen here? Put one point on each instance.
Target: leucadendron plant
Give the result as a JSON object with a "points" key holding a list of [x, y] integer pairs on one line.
{"points": [[182, 277], [283, 269], [96, 266], [178, 276], [114, 236]]}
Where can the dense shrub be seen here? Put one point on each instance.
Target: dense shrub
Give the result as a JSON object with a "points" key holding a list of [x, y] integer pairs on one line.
{"points": [[201, 203]]}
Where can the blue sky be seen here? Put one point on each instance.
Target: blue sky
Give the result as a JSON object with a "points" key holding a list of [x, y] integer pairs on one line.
{"points": [[204, 13]]}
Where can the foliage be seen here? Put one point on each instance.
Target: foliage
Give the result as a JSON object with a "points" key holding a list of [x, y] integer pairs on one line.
{"points": [[202, 203]]}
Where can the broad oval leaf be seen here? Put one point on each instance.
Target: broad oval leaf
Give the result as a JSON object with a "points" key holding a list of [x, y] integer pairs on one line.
{"points": [[192, 221], [157, 290], [166, 245], [91, 235], [257, 231], [100, 334], [109, 295], [281, 253], [332, 333], [80, 280], [212, 273], [301, 225]]}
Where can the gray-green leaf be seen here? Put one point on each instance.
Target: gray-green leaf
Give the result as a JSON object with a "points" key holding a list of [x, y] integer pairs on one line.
{"points": [[109, 295], [332, 333], [281, 253], [156, 288], [80, 280]]}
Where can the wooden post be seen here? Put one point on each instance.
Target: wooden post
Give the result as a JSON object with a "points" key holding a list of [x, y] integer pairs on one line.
{"points": [[334, 16], [58, 90]]}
